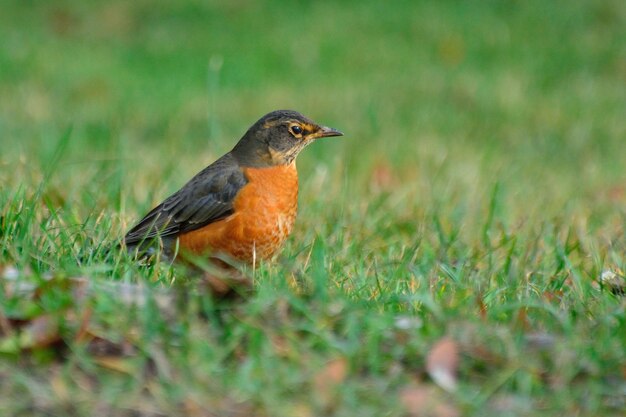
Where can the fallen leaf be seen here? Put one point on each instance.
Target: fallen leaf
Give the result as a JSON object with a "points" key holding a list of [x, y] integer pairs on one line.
{"points": [[38, 333], [425, 401], [334, 372], [442, 363], [329, 377]]}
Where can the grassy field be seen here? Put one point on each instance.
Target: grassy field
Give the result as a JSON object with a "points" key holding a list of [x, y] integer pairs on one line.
{"points": [[461, 226]]}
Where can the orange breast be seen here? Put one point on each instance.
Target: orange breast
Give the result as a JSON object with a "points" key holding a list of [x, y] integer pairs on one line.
{"points": [[264, 214]]}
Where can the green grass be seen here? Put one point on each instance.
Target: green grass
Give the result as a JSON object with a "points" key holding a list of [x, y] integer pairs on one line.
{"points": [[479, 193]]}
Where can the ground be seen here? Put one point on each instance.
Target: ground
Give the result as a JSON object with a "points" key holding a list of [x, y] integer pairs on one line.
{"points": [[449, 250]]}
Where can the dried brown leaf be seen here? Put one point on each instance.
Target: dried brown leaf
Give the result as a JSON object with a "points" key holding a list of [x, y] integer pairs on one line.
{"points": [[334, 372], [442, 363], [40, 332], [426, 401], [327, 379]]}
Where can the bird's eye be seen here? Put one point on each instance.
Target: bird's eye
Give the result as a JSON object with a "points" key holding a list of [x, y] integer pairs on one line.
{"points": [[296, 130]]}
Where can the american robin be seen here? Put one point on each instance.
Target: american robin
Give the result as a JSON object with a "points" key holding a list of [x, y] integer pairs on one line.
{"points": [[244, 204]]}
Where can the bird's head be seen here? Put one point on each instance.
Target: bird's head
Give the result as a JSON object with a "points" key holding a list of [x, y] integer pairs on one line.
{"points": [[278, 137]]}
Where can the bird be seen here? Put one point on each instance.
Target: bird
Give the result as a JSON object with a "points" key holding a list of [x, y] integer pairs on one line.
{"points": [[242, 207]]}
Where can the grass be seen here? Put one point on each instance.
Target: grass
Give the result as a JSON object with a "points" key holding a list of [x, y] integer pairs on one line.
{"points": [[478, 195]]}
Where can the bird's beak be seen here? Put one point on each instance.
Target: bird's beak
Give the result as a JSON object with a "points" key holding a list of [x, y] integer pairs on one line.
{"points": [[325, 132]]}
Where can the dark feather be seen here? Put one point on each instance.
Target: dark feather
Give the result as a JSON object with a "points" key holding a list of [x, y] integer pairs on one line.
{"points": [[206, 198]]}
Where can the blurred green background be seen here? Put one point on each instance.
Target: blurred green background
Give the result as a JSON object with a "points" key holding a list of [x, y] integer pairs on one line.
{"points": [[527, 92], [479, 191]]}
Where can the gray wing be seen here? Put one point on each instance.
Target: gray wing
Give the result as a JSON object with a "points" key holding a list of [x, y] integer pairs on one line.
{"points": [[206, 198]]}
